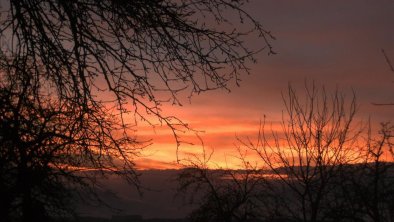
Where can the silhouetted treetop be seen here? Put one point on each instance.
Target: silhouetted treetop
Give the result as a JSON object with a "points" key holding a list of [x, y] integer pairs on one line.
{"points": [[136, 48]]}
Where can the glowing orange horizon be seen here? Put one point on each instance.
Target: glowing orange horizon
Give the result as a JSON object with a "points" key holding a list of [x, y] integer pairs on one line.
{"points": [[219, 136]]}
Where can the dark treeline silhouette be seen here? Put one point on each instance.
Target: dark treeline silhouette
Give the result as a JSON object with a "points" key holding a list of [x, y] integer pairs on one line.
{"points": [[223, 194], [123, 218], [77, 77], [320, 166], [353, 196]]}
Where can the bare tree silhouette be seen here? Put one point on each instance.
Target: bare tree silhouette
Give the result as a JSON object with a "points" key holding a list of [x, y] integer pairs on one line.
{"points": [[376, 182], [29, 141], [78, 76], [365, 191], [316, 139], [47, 152]]}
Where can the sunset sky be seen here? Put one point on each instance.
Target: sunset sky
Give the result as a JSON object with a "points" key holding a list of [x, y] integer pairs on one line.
{"points": [[335, 43]]}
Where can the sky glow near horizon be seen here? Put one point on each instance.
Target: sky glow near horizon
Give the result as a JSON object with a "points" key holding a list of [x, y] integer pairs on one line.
{"points": [[335, 43]]}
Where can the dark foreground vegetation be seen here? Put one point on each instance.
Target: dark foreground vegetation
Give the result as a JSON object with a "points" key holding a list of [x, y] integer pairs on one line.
{"points": [[125, 218], [360, 192]]}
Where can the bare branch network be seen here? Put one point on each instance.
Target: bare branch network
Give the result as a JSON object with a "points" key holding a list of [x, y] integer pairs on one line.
{"points": [[137, 48], [98, 68]]}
